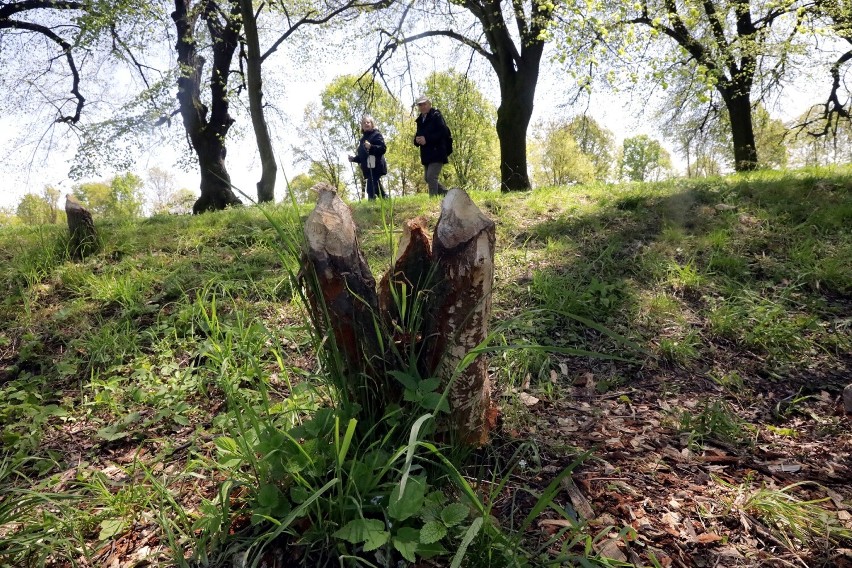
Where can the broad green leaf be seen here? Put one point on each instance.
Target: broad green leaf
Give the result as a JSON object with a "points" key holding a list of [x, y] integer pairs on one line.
{"points": [[406, 542], [454, 513], [368, 531], [401, 507], [428, 385], [433, 531], [226, 444], [435, 401], [430, 550], [110, 528], [407, 380], [268, 496]]}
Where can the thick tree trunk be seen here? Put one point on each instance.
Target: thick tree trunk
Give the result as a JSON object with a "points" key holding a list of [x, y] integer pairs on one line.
{"points": [[738, 102], [207, 136], [269, 169], [83, 238], [463, 247], [517, 94]]}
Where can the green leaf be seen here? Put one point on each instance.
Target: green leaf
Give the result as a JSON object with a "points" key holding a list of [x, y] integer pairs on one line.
{"points": [[110, 528], [454, 513], [182, 420], [406, 542], [430, 550], [407, 380], [268, 496], [433, 531], [401, 507], [226, 444], [369, 531], [117, 430], [411, 395], [429, 385], [299, 494], [435, 401]]}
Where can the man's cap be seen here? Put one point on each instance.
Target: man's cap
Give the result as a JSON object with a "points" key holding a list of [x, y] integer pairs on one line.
{"points": [[422, 99]]}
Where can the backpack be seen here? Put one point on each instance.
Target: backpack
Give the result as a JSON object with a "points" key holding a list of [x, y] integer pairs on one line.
{"points": [[449, 140]]}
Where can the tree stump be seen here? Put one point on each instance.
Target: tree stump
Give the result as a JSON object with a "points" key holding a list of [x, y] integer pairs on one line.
{"points": [[402, 290], [83, 238], [339, 285], [433, 304], [463, 247]]}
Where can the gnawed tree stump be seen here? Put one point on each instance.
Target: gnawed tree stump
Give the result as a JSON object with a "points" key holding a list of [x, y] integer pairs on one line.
{"points": [[463, 247], [402, 288], [434, 303], [340, 286], [83, 238]]}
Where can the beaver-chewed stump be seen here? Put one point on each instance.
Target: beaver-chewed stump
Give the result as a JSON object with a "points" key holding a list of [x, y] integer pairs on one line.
{"points": [[434, 302], [83, 240]]}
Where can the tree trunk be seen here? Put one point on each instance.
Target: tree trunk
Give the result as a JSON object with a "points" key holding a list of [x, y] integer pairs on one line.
{"points": [[269, 169], [517, 94], [83, 238], [463, 247], [738, 102], [401, 288], [207, 136]]}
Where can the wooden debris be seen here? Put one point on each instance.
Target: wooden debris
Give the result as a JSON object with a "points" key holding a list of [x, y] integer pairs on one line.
{"points": [[581, 504]]}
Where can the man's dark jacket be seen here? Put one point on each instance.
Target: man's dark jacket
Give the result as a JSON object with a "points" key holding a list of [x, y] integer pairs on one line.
{"points": [[377, 149], [433, 127]]}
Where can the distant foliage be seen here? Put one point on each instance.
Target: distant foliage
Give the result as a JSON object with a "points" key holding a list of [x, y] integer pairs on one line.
{"points": [[33, 210], [595, 142], [644, 159], [557, 159], [120, 197], [474, 163], [40, 209]]}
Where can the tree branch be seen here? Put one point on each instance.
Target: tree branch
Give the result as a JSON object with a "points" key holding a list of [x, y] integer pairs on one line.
{"points": [[72, 65], [310, 18]]}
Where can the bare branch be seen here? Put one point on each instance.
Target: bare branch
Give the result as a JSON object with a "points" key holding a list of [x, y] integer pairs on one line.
{"points": [[72, 65]]}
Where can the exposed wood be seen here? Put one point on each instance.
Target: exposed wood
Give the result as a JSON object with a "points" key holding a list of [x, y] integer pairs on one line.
{"points": [[403, 290], [463, 247], [83, 239], [339, 284], [581, 504]]}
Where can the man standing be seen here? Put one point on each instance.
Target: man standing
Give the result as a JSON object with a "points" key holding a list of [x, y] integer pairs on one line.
{"points": [[432, 137]]}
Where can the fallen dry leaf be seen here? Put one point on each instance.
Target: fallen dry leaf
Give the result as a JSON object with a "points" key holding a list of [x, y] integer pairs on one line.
{"points": [[706, 538]]}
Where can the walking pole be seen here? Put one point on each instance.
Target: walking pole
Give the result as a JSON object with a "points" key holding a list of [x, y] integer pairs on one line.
{"points": [[355, 179]]}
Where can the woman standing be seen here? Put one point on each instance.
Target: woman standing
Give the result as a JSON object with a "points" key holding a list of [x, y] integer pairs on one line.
{"points": [[371, 156]]}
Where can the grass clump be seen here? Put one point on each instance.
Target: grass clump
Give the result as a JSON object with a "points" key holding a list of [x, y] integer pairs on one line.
{"points": [[793, 522]]}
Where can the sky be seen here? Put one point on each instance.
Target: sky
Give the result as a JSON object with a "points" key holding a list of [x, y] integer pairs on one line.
{"points": [[28, 171]]}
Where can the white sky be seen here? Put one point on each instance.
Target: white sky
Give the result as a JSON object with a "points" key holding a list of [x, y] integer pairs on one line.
{"points": [[23, 174]]}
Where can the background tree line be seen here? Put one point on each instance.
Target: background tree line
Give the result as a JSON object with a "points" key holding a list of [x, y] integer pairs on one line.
{"points": [[208, 63]]}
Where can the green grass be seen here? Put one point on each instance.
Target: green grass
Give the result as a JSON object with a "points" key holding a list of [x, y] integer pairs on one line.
{"points": [[134, 361]]}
